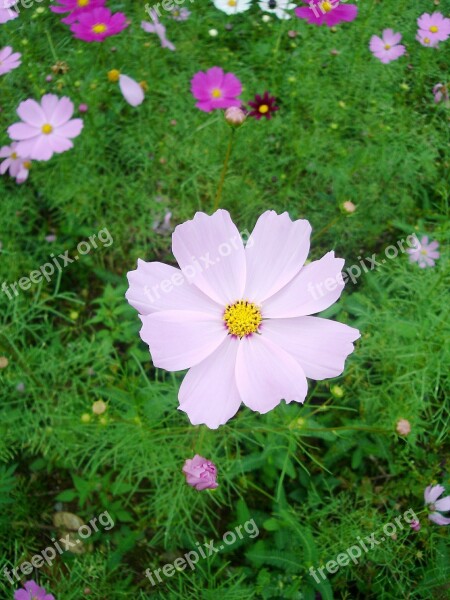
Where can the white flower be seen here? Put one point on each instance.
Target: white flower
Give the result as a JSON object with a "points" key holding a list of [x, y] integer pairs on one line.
{"points": [[279, 7], [231, 7], [213, 32]]}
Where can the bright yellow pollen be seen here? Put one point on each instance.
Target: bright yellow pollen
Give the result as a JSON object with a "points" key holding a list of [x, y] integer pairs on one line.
{"points": [[27, 164], [426, 40], [263, 108], [216, 93], [424, 252], [14, 155], [99, 28], [387, 46], [327, 6], [47, 128], [113, 75], [82, 2], [232, 2], [434, 29], [242, 318]]}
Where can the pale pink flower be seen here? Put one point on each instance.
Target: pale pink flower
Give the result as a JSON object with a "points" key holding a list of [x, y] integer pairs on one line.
{"points": [[426, 40], [131, 90], [18, 166], [200, 473], [237, 316], [9, 60], [388, 47], [435, 26], [425, 254], [431, 495], [47, 128], [159, 29], [6, 11], [403, 427], [441, 93]]}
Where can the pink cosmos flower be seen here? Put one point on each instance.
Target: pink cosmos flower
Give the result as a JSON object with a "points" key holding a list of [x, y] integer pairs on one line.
{"points": [[131, 90], [32, 591], [415, 525], [18, 166], [425, 254], [75, 8], [6, 11], [215, 89], [98, 24], [9, 60], [47, 128], [388, 47], [180, 14], [200, 473], [159, 29], [431, 495], [425, 39], [441, 93], [237, 316], [329, 13], [435, 26]]}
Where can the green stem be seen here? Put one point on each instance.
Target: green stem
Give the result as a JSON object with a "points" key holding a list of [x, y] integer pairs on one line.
{"points": [[224, 171]]}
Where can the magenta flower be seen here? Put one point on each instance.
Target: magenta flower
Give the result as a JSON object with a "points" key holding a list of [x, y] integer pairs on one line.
{"points": [[32, 592], [239, 320], [388, 47], [9, 60], [415, 525], [425, 254], [18, 166], [441, 93], [215, 89], [159, 29], [326, 13], [47, 128], [75, 8], [98, 24], [200, 473], [431, 495], [6, 11], [436, 27]]}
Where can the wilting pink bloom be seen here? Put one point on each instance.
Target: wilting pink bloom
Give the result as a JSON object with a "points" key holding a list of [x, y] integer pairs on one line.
{"points": [[32, 592], [326, 13], [403, 427], [435, 26], [131, 90], [18, 166], [387, 48], [426, 40], [215, 89], [6, 11], [75, 8], [239, 320], [431, 495], [47, 128], [159, 29], [425, 254], [441, 93], [200, 473], [98, 24], [9, 60], [180, 14], [415, 525]]}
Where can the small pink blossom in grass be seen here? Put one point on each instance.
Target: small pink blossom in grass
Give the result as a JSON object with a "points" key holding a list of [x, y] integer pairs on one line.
{"points": [[83, 108], [243, 327], [75, 8], [435, 506], [326, 13], [425, 254], [32, 591], [180, 14], [131, 90], [17, 165], [435, 26], [9, 60], [403, 427], [215, 89], [6, 11], [159, 29], [441, 93], [387, 48], [46, 128], [98, 24], [415, 525], [200, 473], [426, 40]]}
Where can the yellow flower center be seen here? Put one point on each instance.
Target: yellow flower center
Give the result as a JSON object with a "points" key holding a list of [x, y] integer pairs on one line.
{"points": [[434, 29], [263, 108], [242, 318], [232, 2], [387, 46], [14, 155], [327, 6], [27, 165], [82, 3], [99, 28], [426, 40], [424, 252], [47, 128], [113, 76], [216, 93]]}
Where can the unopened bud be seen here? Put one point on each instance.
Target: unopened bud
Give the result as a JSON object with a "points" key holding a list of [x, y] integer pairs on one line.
{"points": [[235, 116]]}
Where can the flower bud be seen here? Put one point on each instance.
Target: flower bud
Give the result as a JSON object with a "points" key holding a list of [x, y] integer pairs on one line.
{"points": [[113, 75], [99, 407], [235, 116], [200, 473], [403, 427]]}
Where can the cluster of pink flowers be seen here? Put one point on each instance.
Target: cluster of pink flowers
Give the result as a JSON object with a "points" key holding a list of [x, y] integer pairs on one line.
{"points": [[433, 29], [90, 20]]}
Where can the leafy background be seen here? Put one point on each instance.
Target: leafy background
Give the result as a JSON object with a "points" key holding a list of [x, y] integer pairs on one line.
{"points": [[313, 477]]}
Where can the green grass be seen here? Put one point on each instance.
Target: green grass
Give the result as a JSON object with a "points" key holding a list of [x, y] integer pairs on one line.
{"points": [[313, 477]]}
